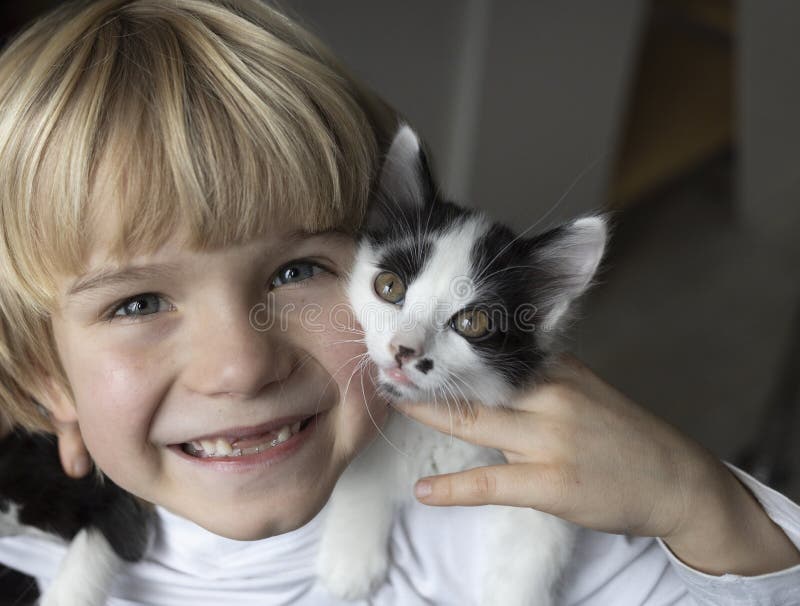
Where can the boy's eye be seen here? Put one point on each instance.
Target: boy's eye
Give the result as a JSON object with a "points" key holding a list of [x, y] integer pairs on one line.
{"points": [[296, 271], [140, 305]]}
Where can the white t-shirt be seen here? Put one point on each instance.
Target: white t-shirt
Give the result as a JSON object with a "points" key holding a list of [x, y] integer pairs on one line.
{"points": [[436, 560]]}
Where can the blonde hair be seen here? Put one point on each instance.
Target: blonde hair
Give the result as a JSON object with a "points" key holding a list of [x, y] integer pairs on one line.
{"points": [[213, 116]]}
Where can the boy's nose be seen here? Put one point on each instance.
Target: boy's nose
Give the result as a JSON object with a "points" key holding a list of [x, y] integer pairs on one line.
{"points": [[229, 356]]}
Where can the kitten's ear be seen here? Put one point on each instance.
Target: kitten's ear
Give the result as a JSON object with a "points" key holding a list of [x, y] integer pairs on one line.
{"points": [[569, 256], [405, 182]]}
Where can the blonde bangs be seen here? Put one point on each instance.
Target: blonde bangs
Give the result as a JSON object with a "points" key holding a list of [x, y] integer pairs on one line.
{"points": [[212, 119], [168, 115]]}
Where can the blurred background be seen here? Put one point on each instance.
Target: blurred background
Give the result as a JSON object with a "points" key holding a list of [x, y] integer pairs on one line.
{"points": [[681, 117]]}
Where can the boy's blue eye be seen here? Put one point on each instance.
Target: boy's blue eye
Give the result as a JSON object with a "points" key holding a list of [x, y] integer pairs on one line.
{"points": [[296, 271], [147, 304], [140, 305]]}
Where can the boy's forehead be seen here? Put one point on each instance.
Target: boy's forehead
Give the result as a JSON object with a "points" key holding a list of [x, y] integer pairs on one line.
{"points": [[172, 256], [106, 229], [105, 258]]}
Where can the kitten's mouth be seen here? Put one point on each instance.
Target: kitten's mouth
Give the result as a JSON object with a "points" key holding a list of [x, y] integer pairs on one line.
{"points": [[397, 385], [227, 448], [398, 375]]}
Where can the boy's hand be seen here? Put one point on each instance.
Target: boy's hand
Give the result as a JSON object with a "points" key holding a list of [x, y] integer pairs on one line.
{"points": [[579, 449]]}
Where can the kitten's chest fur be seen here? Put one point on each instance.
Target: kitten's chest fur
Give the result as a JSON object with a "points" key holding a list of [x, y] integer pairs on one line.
{"points": [[414, 450], [456, 311]]}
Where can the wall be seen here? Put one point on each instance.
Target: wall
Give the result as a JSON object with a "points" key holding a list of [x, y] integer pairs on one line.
{"points": [[517, 100]]}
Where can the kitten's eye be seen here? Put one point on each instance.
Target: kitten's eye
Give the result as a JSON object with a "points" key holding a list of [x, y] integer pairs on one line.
{"points": [[471, 323], [296, 271], [389, 287]]}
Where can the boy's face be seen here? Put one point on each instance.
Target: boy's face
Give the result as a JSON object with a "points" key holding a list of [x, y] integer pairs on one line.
{"points": [[221, 344]]}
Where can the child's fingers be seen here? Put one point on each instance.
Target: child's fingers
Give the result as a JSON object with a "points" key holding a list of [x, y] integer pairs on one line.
{"points": [[522, 485], [482, 425], [71, 450]]}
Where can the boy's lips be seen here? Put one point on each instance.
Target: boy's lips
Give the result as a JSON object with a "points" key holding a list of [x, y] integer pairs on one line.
{"points": [[250, 454], [234, 434]]}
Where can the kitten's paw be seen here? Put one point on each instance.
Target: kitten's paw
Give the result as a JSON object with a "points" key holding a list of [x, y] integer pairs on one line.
{"points": [[353, 575]]}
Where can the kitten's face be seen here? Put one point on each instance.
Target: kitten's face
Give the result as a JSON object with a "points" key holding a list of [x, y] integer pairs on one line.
{"points": [[454, 306], [433, 318]]}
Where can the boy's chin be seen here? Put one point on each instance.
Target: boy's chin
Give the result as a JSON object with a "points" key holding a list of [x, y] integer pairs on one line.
{"points": [[243, 523]]}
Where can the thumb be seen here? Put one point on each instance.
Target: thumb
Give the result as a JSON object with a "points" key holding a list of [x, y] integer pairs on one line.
{"points": [[518, 485]]}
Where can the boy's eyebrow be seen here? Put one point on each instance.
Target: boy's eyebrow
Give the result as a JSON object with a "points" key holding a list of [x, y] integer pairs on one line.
{"points": [[111, 277], [107, 278], [302, 234]]}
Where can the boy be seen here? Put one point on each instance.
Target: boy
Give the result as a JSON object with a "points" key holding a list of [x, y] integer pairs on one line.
{"points": [[173, 171]]}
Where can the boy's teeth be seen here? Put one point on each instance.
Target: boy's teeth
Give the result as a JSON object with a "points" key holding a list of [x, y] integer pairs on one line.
{"points": [[221, 447], [284, 434]]}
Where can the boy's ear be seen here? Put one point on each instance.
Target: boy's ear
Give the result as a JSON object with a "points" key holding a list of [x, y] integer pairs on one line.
{"points": [[71, 450], [57, 401], [405, 183]]}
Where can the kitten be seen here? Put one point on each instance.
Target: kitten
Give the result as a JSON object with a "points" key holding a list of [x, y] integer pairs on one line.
{"points": [[454, 307], [105, 525]]}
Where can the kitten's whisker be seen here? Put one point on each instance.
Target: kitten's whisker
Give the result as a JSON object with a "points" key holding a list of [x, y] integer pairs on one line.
{"points": [[452, 386], [360, 367], [450, 390], [466, 400], [484, 278], [453, 377], [303, 362], [332, 343], [380, 431], [399, 218], [449, 411], [362, 356], [569, 189], [298, 366]]}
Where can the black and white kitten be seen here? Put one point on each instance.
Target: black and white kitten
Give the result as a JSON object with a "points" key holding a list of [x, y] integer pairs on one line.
{"points": [[106, 526], [454, 308]]}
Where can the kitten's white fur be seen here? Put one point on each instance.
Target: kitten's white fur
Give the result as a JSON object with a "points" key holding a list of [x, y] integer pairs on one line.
{"points": [[527, 549], [85, 574]]}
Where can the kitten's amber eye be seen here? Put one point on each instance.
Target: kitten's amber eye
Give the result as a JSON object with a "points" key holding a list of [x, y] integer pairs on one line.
{"points": [[390, 287], [471, 323]]}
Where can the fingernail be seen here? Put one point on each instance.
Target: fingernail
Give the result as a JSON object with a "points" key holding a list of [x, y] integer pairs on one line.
{"points": [[423, 489], [80, 467]]}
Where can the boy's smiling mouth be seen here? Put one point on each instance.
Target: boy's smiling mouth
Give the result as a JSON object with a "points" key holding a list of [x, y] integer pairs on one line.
{"points": [[242, 442]]}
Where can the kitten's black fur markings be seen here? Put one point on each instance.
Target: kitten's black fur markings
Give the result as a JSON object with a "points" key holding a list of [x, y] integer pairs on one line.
{"points": [[31, 478]]}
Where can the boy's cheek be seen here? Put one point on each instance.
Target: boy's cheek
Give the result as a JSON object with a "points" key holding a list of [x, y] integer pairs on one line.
{"points": [[112, 404], [342, 352]]}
